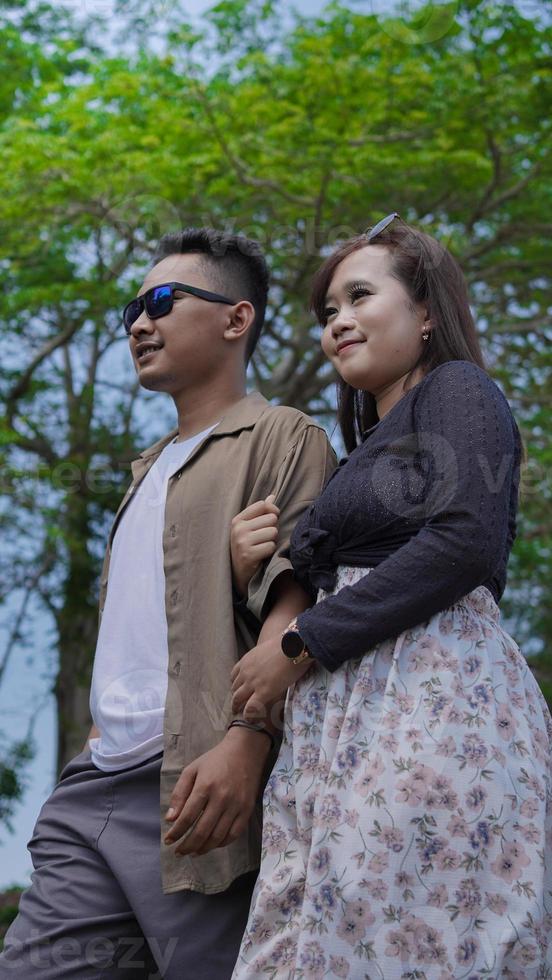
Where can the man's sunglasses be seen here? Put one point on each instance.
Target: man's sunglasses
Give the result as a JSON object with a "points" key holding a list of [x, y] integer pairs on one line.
{"points": [[158, 301], [381, 225]]}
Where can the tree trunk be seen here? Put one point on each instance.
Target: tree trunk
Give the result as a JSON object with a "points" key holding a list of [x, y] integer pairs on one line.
{"points": [[77, 632]]}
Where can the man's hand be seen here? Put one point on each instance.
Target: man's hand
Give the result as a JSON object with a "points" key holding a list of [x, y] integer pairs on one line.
{"points": [[215, 795], [93, 733], [262, 676], [253, 536]]}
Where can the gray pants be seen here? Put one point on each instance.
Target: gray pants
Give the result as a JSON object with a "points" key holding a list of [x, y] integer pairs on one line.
{"points": [[95, 909]]}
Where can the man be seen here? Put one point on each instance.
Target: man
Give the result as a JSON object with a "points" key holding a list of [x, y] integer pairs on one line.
{"points": [[103, 901]]}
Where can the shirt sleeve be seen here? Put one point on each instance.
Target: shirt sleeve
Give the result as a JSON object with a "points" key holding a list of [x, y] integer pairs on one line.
{"points": [[457, 468], [299, 479]]}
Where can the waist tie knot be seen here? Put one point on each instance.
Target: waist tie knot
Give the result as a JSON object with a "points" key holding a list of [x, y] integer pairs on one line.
{"points": [[315, 553]]}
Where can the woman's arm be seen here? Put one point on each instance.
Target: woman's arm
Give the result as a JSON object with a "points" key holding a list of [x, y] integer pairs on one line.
{"points": [[467, 442]]}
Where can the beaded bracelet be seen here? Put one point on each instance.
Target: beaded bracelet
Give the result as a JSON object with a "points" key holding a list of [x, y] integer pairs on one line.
{"points": [[242, 723]]}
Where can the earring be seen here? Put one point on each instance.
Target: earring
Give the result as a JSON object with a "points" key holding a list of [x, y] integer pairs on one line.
{"points": [[426, 335]]}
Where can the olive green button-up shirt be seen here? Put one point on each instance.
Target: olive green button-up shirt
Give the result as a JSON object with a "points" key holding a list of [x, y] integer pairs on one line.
{"points": [[255, 450]]}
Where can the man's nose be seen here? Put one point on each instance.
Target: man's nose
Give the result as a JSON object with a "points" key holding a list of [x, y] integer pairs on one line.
{"points": [[142, 324]]}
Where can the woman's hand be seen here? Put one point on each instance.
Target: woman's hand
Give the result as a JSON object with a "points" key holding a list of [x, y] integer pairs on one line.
{"points": [[253, 537], [261, 677]]}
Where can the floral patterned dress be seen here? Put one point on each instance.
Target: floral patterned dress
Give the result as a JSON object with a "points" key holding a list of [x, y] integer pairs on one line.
{"points": [[408, 819]]}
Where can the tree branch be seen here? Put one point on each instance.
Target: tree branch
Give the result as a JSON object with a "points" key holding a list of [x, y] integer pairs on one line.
{"points": [[127, 417], [511, 192], [534, 324], [15, 635], [22, 385], [493, 184], [506, 233], [245, 176], [68, 380], [296, 393], [38, 445]]}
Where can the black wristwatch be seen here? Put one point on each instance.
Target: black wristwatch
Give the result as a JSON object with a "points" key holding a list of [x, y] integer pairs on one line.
{"points": [[293, 645]]}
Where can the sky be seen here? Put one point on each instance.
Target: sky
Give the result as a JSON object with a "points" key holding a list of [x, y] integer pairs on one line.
{"points": [[22, 689]]}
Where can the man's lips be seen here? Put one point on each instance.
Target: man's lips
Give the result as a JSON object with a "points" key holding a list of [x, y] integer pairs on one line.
{"points": [[346, 344], [144, 351]]}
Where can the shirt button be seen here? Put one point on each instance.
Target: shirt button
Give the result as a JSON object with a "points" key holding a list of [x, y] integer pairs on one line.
{"points": [[177, 667], [174, 597], [172, 530]]}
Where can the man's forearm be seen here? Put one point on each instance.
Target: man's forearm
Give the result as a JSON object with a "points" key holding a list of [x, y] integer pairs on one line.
{"points": [[288, 600]]}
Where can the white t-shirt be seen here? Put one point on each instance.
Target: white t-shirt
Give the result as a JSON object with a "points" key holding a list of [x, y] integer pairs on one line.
{"points": [[129, 680]]}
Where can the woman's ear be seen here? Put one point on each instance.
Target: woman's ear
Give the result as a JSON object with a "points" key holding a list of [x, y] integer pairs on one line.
{"points": [[427, 327]]}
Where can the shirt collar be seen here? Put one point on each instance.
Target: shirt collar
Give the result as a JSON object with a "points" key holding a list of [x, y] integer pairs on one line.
{"points": [[242, 415]]}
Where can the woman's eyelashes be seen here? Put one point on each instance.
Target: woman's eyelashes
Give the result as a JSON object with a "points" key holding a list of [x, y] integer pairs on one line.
{"points": [[357, 291], [354, 293]]}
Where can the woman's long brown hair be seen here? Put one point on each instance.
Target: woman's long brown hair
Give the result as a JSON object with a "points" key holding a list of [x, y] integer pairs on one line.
{"points": [[430, 275]]}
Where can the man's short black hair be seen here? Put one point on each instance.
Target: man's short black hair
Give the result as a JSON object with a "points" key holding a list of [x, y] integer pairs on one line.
{"points": [[235, 265]]}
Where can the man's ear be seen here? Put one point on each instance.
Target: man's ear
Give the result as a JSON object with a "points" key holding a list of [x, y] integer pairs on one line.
{"points": [[241, 320]]}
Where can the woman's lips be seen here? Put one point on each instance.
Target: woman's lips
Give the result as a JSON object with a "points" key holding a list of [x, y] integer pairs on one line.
{"points": [[348, 346]]}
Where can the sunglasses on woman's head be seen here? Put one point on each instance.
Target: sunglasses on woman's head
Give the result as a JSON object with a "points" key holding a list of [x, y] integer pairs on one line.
{"points": [[381, 225], [158, 301]]}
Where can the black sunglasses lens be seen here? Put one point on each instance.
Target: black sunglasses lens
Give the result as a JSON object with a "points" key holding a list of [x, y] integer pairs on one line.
{"points": [[132, 312], [159, 301]]}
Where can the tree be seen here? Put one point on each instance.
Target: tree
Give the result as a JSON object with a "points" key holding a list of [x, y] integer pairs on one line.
{"points": [[298, 135]]}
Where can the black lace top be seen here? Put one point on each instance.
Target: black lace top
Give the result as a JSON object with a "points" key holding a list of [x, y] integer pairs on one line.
{"points": [[428, 501]]}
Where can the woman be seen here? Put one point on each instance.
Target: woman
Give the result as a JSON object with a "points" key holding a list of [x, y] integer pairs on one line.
{"points": [[408, 818]]}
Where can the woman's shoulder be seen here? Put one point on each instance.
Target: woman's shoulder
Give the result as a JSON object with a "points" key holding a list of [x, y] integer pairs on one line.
{"points": [[462, 380], [464, 398], [457, 373]]}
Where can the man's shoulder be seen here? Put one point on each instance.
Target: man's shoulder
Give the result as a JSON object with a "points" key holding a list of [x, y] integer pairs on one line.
{"points": [[283, 424], [287, 422]]}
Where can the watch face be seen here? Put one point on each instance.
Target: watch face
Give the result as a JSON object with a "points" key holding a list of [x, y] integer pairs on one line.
{"points": [[292, 644]]}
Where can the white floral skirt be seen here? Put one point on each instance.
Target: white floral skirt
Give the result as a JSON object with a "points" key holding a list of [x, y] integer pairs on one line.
{"points": [[408, 818]]}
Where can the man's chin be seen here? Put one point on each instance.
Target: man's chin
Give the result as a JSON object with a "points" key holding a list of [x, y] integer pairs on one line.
{"points": [[153, 382]]}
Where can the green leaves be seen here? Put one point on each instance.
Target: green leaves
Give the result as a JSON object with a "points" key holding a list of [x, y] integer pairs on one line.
{"points": [[15, 760]]}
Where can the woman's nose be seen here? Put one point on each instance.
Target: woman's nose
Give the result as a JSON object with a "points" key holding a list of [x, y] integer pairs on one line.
{"points": [[344, 320]]}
